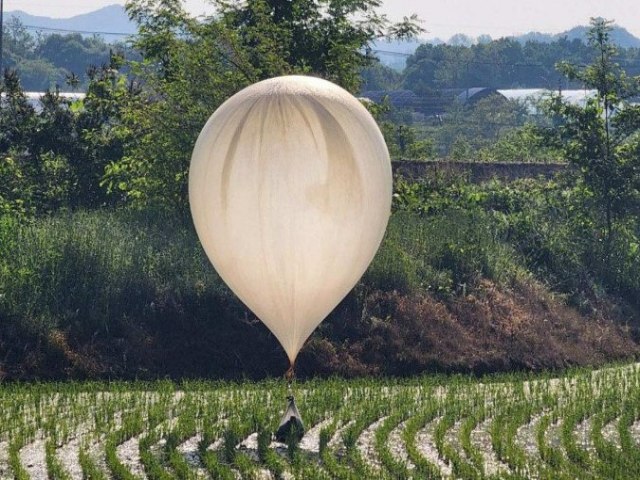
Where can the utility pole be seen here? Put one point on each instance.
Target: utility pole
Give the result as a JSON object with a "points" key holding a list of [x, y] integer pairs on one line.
{"points": [[1, 37]]}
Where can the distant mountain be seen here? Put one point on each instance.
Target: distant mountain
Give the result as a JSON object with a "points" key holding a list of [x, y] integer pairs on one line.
{"points": [[114, 19], [620, 36], [108, 20]]}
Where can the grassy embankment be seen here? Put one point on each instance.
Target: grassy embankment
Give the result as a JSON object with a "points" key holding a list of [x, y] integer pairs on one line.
{"points": [[469, 278]]}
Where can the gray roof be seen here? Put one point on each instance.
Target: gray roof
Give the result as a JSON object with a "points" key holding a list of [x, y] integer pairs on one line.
{"points": [[397, 98], [471, 95]]}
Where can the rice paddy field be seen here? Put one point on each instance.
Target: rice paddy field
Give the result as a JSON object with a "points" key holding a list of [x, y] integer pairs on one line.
{"points": [[584, 424]]}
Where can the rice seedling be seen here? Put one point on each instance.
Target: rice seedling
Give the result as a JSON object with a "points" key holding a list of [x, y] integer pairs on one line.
{"points": [[583, 424]]}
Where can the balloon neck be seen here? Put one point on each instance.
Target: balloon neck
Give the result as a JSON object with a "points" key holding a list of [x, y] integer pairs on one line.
{"points": [[290, 376]]}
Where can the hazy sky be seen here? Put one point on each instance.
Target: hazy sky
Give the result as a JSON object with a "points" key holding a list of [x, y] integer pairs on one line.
{"points": [[442, 18]]}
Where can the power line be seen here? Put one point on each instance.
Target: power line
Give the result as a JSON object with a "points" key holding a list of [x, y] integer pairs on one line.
{"points": [[84, 32], [132, 36], [467, 62], [622, 61], [395, 54]]}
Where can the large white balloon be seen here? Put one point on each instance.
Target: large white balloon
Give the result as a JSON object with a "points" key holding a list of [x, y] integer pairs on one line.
{"points": [[290, 189]]}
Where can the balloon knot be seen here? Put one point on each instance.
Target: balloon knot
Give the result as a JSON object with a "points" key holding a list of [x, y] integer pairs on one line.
{"points": [[290, 374]]}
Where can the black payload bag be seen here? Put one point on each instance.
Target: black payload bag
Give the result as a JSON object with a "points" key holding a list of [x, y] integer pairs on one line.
{"points": [[290, 424]]}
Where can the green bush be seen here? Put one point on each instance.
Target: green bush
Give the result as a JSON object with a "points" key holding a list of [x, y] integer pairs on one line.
{"points": [[547, 229], [89, 271], [94, 271], [441, 253]]}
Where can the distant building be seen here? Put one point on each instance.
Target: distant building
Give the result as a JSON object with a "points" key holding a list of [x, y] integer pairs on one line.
{"points": [[438, 102], [531, 97], [34, 98], [470, 96], [407, 100]]}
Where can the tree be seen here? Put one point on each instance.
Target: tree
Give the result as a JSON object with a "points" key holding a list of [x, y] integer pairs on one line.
{"points": [[461, 40], [53, 157], [73, 52], [602, 139], [191, 67], [479, 125], [44, 61], [502, 63], [422, 67], [522, 144], [34, 175], [379, 77]]}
